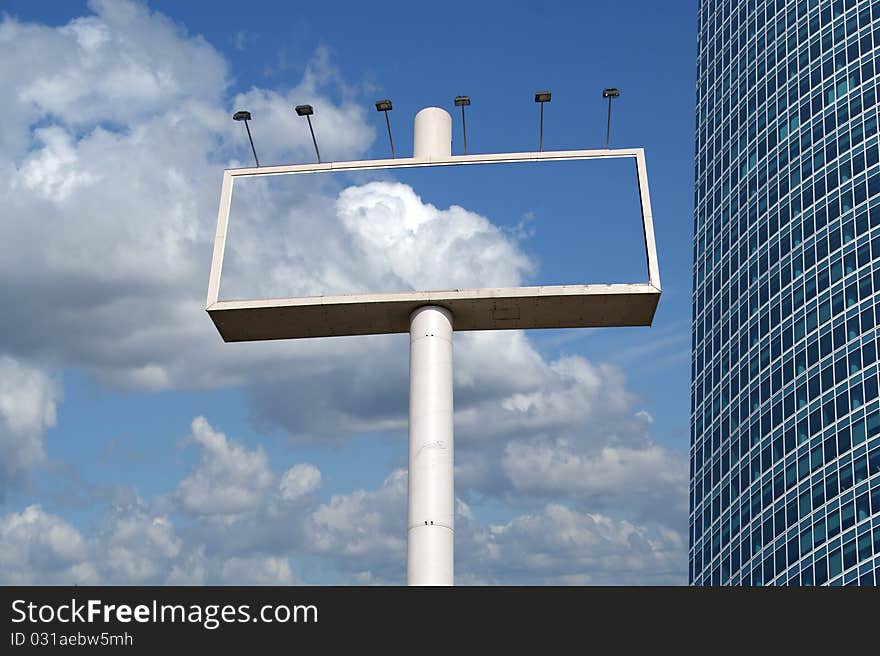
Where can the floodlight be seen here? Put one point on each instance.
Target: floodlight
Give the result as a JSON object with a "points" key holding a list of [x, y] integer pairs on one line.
{"points": [[385, 106], [463, 101], [542, 96], [246, 116], [307, 111]]}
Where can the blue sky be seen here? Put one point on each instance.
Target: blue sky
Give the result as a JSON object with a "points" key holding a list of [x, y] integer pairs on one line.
{"points": [[138, 448]]}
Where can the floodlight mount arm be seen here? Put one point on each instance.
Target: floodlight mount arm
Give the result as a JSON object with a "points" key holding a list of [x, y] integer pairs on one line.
{"points": [[609, 93]]}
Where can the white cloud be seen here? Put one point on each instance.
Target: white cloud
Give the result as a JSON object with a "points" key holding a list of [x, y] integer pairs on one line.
{"points": [[121, 65], [648, 480], [228, 480], [364, 534], [411, 244], [53, 172], [560, 545], [299, 480], [115, 129], [38, 547], [257, 570], [356, 537], [366, 528], [570, 392], [570, 429], [308, 236], [28, 399], [136, 547]]}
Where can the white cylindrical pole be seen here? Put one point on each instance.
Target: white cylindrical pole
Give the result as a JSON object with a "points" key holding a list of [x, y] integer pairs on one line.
{"points": [[432, 133], [431, 493]]}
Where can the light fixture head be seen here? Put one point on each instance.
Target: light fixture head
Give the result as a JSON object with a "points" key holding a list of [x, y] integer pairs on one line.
{"points": [[242, 116], [542, 96], [383, 105], [304, 110], [610, 93], [461, 101]]}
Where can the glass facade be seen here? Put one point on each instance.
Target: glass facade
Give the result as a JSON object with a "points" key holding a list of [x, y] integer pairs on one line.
{"points": [[785, 422]]}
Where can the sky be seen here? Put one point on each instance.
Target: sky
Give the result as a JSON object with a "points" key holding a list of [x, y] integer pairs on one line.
{"points": [[138, 448]]}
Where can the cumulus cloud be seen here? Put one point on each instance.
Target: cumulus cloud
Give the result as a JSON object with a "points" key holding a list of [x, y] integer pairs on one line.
{"points": [[38, 547], [308, 236], [121, 65], [134, 546], [650, 480], [356, 537], [28, 400], [143, 543], [365, 531], [568, 392], [560, 545], [570, 429], [109, 210], [137, 547], [299, 480], [411, 244], [228, 480], [257, 570]]}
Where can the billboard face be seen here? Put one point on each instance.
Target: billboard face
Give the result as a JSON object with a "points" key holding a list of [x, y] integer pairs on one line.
{"points": [[352, 248]]}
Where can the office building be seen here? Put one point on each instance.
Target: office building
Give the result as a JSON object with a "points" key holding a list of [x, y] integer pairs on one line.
{"points": [[785, 425]]}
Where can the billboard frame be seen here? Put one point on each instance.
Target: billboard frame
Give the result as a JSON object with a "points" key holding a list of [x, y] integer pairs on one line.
{"points": [[528, 307]]}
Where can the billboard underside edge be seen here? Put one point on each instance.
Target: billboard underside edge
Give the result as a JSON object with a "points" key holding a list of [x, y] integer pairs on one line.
{"points": [[594, 306]]}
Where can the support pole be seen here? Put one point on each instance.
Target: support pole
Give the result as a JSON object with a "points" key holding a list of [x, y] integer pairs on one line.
{"points": [[432, 134], [431, 513]]}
